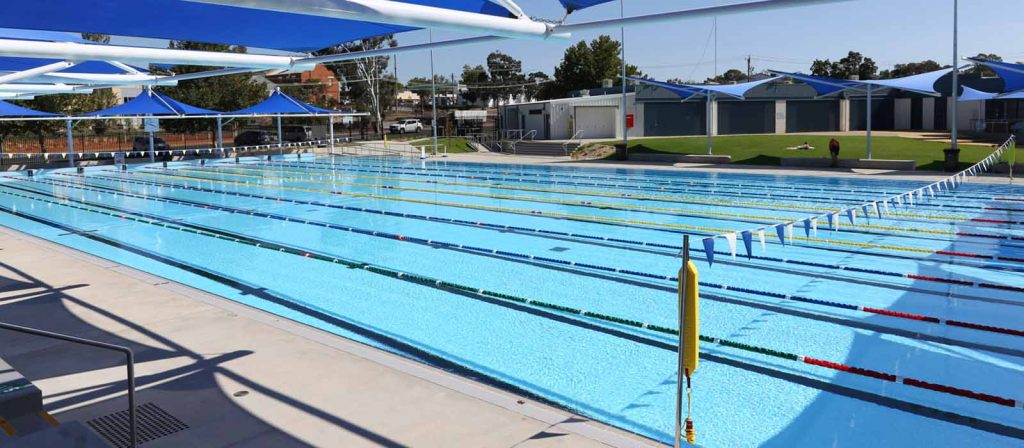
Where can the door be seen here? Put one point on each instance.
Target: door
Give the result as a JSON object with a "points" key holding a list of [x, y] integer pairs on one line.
{"points": [[534, 121], [596, 121]]}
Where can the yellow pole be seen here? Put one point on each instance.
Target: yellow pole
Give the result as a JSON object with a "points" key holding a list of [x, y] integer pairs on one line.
{"points": [[689, 343]]}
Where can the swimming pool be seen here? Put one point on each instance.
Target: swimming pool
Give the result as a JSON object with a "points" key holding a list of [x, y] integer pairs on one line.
{"points": [[558, 282]]}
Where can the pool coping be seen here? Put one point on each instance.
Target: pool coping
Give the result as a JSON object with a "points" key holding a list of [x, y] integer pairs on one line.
{"points": [[554, 417]]}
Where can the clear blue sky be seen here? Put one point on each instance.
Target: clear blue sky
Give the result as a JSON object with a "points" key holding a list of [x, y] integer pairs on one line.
{"points": [[889, 31]]}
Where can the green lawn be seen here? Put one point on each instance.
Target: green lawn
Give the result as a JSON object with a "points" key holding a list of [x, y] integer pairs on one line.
{"points": [[769, 149], [455, 144]]}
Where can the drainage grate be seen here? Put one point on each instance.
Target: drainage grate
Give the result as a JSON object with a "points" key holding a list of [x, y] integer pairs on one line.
{"points": [[559, 249], [153, 423]]}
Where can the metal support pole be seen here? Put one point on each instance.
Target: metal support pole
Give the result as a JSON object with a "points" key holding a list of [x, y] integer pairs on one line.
{"points": [[71, 144], [280, 137], [625, 105], [682, 313], [152, 153], [330, 126], [220, 133], [710, 117], [433, 95], [956, 75], [870, 113]]}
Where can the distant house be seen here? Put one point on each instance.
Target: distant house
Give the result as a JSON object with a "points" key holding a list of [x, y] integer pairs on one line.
{"points": [[318, 75]]}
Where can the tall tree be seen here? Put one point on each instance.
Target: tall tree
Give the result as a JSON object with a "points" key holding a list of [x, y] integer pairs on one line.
{"points": [[366, 81], [853, 64], [101, 38], [730, 76], [982, 70], [474, 79], [910, 69], [226, 93], [585, 66], [506, 75], [65, 104], [537, 84]]}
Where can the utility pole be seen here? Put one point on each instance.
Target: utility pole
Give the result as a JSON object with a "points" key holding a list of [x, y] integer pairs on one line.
{"points": [[750, 73]]}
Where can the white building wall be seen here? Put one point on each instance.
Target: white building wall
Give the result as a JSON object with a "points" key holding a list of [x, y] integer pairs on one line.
{"points": [[901, 114], [844, 115], [780, 116], [563, 114], [968, 113], [928, 114]]}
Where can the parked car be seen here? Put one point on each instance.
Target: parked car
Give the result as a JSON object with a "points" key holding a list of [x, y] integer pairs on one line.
{"points": [[254, 138], [142, 144], [406, 125], [295, 134]]}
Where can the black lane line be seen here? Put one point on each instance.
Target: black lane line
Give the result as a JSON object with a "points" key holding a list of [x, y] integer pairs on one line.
{"points": [[827, 318], [437, 361], [949, 260], [82, 183]]}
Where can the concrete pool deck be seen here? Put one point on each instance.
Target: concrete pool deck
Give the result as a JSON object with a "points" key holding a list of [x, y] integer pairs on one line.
{"points": [[239, 376]]}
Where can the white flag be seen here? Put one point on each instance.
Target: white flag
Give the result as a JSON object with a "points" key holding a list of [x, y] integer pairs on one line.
{"points": [[885, 205], [789, 231], [731, 239], [814, 226], [760, 236]]}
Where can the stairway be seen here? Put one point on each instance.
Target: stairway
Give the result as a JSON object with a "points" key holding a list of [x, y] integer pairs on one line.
{"points": [[543, 149]]}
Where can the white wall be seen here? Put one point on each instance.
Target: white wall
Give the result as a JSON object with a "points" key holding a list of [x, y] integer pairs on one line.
{"points": [[901, 114], [780, 116], [967, 112], [928, 114]]}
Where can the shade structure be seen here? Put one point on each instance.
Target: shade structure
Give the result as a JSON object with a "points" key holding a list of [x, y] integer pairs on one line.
{"points": [[574, 5], [205, 22], [1012, 74], [280, 103], [152, 103], [922, 83], [822, 86], [10, 110], [709, 92], [970, 94]]}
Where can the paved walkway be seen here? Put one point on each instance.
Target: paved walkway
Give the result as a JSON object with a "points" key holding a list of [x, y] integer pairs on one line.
{"points": [[238, 376]]}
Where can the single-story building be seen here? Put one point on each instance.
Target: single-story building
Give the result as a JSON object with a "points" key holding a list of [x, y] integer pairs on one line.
{"points": [[773, 108]]}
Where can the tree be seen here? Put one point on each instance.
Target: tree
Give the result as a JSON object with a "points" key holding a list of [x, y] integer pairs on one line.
{"points": [[474, 78], [423, 87], [731, 76], [910, 69], [585, 66], [231, 92], [537, 83], [366, 81], [982, 70], [65, 104], [506, 74], [854, 64], [101, 38]]}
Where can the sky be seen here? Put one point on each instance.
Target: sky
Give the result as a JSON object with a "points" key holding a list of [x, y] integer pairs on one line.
{"points": [[888, 31]]}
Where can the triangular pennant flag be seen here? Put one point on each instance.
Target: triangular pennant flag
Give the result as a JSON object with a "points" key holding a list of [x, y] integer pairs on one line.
{"points": [[878, 211], [780, 231], [789, 231], [807, 228], [899, 200], [852, 215], [885, 204], [867, 215], [748, 243], [831, 221], [709, 250], [731, 239], [760, 237], [931, 191], [814, 226]]}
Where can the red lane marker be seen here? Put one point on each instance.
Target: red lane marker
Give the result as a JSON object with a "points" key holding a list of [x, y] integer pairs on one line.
{"points": [[1003, 287], [1019, 260], [979, 235], [1008, 331], [960, 392], [1008, 199], [850, 369], [917, 317], [996, 221], [962, 254]]}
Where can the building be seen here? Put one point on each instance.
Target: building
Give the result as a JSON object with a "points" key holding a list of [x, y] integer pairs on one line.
{"points": [[319, 75], [773, 108]]}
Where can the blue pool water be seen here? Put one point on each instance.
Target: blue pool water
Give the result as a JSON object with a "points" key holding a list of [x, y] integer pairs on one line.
{"points": [[571, 237]]}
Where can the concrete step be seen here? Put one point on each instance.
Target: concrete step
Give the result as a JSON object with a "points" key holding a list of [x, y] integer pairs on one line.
{"points": [[73, 434], [541, 149]]}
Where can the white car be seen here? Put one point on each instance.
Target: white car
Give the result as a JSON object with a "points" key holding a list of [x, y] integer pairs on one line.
{"points": [[407, 125]]}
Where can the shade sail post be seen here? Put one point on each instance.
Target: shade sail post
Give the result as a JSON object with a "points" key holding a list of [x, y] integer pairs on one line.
{"points": [[330, 127], [870, 113], [220, 133], [433, 95], [280, 137], [71, 143], [625, 109], [152, 153], [710, 123], [956, 76]]}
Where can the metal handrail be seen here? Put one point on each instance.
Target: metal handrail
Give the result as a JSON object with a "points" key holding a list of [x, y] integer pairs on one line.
{"points": [[577, 136], [130, 361]]}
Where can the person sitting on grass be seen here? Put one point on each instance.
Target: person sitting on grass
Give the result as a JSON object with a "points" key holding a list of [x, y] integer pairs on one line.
{"points": [[833, 148]]}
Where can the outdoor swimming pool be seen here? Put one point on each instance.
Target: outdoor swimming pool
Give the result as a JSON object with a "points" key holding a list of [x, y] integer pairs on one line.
{"points": [[558, 282]]}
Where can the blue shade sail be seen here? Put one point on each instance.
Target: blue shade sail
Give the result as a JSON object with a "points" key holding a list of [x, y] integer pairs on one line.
{"points": [[821, 85], [576, 5], [922, 83], [687, 90], [1012, 74], [279, 103], [10, 110], [970, 94], [203, 22], [152, 103]]}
